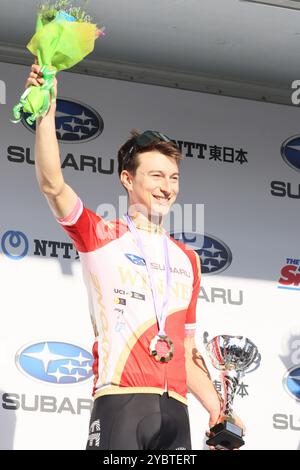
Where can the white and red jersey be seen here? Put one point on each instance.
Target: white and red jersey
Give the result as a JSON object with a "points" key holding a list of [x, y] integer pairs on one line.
{"points": [[121, 303]]}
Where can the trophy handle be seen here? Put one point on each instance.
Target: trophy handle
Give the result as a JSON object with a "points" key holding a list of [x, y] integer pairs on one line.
{"points": [[255, 364]]}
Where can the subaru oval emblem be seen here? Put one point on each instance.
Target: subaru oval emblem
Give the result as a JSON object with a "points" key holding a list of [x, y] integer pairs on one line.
{"points": [[75, 122], [215, 255], [135, 259], [291, 382], [55, 362], [290, 152]]}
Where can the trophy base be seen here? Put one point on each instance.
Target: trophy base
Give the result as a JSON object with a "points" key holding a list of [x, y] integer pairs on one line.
{"points": [[226, 435]]}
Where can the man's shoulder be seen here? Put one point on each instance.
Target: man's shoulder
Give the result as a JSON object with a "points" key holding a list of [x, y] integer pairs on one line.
{"points": [[192, 254]]}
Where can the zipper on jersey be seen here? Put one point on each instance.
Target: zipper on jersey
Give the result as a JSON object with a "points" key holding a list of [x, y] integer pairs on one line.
{"points": [[166, 378]]}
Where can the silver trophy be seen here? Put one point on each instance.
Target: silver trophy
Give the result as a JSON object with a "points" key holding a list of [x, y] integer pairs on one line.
{"points": [[232, 355]]}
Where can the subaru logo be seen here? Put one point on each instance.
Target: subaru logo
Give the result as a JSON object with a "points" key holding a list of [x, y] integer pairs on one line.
{"points": [[75, 122], [291, 382], [55, 362], [215, 255], [135, 259], [290, 152], [14, 244]]}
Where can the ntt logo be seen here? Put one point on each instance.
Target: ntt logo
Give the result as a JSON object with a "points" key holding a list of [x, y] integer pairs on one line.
{"points": [[14, 244], [55, 362]]}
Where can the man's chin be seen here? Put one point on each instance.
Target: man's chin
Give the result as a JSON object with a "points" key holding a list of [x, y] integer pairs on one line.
{"points": [[158, 210]]}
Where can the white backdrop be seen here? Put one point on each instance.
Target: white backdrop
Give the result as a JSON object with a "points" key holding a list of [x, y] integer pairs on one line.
{"points": [[43, 300]]}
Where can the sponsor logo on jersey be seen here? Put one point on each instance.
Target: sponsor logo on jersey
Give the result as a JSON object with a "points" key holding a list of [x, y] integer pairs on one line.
{"points": [[120, 301], [135, 259], [137, 295], [55, 362], [134, 295]]}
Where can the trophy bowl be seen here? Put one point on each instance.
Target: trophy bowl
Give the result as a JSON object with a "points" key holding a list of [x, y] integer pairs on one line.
{"points": [[232, 355]]}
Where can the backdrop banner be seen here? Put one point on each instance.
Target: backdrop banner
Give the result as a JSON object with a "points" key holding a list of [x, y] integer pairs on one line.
{"points": [[239, 175]]}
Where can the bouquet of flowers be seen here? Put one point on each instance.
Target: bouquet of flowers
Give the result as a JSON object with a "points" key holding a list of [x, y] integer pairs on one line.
{"points": [[64, 35]]}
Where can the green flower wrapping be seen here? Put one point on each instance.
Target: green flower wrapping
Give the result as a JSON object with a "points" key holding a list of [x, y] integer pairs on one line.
{"points": [[60, 41]]}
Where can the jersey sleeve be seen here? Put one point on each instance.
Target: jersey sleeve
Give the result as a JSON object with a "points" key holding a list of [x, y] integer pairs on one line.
{"points": [[190, 322], [87, 230]]}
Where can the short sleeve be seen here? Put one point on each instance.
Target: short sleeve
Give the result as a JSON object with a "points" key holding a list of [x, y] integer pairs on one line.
{"points": [[88, 230], [190, 322]]}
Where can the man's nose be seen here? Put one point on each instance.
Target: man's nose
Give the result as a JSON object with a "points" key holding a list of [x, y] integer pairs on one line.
{"points": [[165, 186]]}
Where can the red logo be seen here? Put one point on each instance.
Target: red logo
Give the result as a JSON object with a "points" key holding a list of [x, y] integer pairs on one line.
{"points": [[290, 274]]}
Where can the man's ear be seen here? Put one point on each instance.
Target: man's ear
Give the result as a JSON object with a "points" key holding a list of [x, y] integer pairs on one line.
{"points": [[126, 179]]}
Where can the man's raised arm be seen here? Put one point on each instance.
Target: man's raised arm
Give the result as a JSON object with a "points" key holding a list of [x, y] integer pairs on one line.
{"points": [[61, 197]]}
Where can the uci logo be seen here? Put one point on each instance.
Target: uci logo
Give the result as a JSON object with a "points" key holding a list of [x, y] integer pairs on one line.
{"points": [[55, 362], [75, 122], [215, 255], [290, 152]]}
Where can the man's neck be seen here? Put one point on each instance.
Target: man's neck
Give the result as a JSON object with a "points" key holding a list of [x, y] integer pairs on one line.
{"points": [[151, 223]]}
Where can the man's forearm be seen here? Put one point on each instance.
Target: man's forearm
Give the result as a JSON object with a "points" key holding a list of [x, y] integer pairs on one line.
{"points": [[47, 158], [199, 382]]}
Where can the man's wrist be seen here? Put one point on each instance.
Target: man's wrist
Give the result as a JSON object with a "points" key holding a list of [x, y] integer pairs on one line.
{"points": [[50, 116]]}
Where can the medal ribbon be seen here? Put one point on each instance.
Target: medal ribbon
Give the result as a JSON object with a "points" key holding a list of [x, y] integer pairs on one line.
{"points": [[161, 317]]}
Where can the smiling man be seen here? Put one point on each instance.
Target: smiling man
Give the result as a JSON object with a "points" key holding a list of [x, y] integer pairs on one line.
{"points": [[143, 288]]}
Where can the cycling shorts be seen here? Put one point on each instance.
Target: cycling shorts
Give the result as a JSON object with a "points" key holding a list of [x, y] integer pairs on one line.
{"points": [[139, 421]]}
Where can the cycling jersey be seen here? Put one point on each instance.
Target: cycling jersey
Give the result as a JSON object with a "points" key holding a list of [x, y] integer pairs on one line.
{"points": [[121, 303]]}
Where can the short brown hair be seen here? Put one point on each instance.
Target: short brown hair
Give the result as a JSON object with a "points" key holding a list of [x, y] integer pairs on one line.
{"points": [[129, 162]]}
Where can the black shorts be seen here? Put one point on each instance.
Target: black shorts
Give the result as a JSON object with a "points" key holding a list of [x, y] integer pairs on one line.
{"points": [[139, 421]]}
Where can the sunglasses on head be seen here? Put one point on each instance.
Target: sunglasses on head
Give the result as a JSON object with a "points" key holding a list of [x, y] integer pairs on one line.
{"points": [[143, 140], [149, 136]]}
